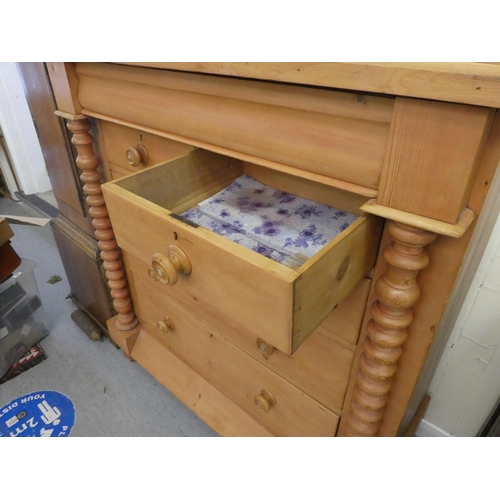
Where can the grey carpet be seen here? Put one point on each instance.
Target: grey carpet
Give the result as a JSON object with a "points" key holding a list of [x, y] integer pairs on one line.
{"points": [[112, 395]]}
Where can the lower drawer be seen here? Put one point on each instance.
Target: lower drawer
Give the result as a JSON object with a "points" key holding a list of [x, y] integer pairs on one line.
{"points": [[245, 381], [321, 366]]}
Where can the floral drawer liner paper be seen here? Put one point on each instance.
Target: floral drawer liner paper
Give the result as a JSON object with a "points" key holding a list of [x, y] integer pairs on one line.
{"points": [[274, 223], [228, 231]]}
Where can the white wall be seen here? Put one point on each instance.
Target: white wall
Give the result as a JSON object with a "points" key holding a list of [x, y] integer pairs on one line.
{"points": [[466, 385], [19, 132]]}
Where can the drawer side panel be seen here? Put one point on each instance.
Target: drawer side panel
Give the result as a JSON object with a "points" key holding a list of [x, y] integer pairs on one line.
{"points": [[344, 323], [334, 275]]}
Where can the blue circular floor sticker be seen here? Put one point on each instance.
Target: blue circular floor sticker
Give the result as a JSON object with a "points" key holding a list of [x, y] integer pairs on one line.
{"points": [[38, 414]]}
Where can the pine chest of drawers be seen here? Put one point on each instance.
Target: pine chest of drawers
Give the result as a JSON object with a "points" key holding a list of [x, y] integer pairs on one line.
{"points": [[335, 345]]}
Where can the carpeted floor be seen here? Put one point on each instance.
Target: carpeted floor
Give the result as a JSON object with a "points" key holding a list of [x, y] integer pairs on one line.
{"points": [[112, 396]]}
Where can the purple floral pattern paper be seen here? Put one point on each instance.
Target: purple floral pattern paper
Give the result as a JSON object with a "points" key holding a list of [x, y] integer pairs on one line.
{"points": [[279, 225], [285, 222], [234, 234]]}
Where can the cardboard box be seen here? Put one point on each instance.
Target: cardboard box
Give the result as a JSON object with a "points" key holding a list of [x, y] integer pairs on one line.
{"points": [[5, 231]]}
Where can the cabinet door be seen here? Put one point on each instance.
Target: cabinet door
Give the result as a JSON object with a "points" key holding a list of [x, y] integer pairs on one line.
{"points": [[53, 139]]}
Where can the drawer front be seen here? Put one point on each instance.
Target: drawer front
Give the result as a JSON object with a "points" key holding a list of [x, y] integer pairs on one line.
{"points": [[121, 144], [214, 408], [320, 367], [220, 280], [283, 304], [233, 372]]}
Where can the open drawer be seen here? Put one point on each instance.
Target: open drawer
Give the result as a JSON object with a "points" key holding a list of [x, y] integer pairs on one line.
{"points": [[211, 275]]}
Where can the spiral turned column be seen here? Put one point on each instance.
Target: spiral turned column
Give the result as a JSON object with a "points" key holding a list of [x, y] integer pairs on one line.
{"points": [[396, 293], [88, 162]]}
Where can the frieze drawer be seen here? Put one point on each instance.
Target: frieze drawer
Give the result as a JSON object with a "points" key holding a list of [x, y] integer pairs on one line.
{"points": [[133, 149]]}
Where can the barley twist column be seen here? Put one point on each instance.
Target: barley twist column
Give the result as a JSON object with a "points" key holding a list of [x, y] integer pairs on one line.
{"points": [[396, 293], [110, 253]]}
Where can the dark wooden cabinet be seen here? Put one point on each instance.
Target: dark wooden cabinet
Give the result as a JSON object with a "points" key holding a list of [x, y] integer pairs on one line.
{"points": [[72, 228]]}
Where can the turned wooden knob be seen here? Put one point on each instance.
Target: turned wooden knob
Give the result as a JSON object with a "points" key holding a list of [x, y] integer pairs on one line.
{"points": [[137, 156], [165, 325], [264, 347], [166, 268], [264, 400], [152, 274]]}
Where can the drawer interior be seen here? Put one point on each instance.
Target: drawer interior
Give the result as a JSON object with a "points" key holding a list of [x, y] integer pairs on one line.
{"points": [[285, 304], [179, 186]]}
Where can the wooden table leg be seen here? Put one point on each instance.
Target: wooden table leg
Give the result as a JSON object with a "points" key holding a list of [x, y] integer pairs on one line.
{"points": [[396, 293], [104, 233]]}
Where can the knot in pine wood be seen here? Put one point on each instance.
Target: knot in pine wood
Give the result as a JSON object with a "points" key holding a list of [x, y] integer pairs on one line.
{"points": [[394, 297]]}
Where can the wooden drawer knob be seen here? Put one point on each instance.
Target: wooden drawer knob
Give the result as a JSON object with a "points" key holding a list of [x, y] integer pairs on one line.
{"points": [[264, 347], [264, 400], [166, 268], [137, 156], [166, 325]]}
